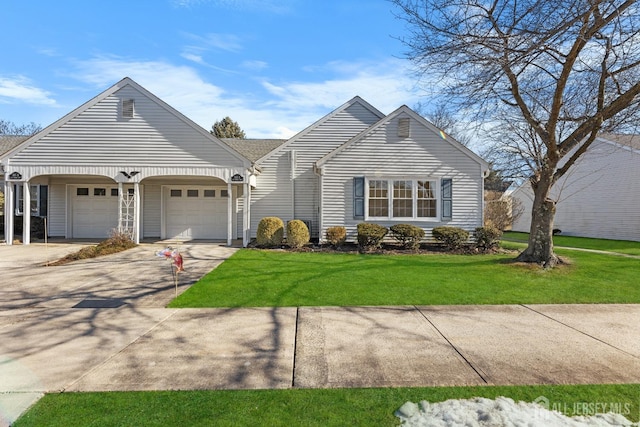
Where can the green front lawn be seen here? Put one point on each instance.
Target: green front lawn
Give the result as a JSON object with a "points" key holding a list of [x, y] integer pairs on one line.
{"points": [[265, 278], [299, 407], [621, 246]]}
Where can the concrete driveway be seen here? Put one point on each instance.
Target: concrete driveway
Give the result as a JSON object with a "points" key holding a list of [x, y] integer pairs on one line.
{"points": [[101, 325], [136, 277]]}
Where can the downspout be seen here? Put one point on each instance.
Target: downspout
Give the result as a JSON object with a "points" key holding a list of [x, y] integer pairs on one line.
{"points": [[320, 173]]}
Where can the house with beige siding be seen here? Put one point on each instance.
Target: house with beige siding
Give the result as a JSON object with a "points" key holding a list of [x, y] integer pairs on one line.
{"points": [[599, 196], [126, 160]]}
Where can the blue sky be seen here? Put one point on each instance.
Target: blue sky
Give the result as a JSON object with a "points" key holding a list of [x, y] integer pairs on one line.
{"points": [[274, 66]]}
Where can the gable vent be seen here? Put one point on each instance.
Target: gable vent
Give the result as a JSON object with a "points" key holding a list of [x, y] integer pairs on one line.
{"points": [[127, 108], [403, 127]]}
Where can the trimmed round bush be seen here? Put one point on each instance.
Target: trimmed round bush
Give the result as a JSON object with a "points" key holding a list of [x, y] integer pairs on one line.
{"points": [[487, 237], [336, 236], [370, 235], [270, 232], [451, 237], [297, 233], [408, 235]]}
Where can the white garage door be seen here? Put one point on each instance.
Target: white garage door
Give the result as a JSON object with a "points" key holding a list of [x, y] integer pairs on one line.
{"points": [[95, 211], [195, 212]]}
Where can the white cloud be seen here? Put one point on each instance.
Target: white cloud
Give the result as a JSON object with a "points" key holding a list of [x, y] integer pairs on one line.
{"points": [[278, 111], [217, 41], [255, 65], [386, 85], [21, 89], [273, 6], [192, 57]]}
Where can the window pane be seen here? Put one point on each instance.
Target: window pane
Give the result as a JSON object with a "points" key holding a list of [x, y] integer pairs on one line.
{"points": [[427, 204], [402, 199], [34, 199], [99, 191], [425, 190], [82, 192], [176, 193], [209, 193], [114, 192], [378, 198], [224, 193], [426, 208], [192, 193], [402, 189], [378, 207]]}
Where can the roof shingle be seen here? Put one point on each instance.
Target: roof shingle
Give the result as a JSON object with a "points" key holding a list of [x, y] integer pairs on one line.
{"points": [[9, 142], [253, 149]]}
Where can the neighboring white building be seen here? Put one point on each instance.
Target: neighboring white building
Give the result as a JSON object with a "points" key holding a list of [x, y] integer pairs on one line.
{"points": [[599, 196], [127, 160]]}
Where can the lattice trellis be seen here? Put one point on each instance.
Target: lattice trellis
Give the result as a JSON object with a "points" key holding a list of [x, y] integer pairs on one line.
{"points": [[127, 213]]}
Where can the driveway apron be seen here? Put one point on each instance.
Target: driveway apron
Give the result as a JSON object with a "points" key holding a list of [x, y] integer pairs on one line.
{"points": [[59, 323]]}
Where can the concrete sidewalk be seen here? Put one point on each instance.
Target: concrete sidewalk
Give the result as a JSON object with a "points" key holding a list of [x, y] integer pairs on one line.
{"points": [[100, 324], [145, 348]]}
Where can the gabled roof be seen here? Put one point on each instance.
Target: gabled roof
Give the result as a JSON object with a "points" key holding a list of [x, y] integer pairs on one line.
{"points": [[9, 142], [352, 101], [113, 89], [405, 110], [253, 149]]}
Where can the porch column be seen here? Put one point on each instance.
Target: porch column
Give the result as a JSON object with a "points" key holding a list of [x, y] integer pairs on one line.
{"points": [[120, 200], [26, 213], [8, 212], [136, 212], [229, 214], [246, 217]]}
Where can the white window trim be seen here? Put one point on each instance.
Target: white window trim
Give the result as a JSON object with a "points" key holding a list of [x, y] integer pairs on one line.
{"points": [[414, 192]]}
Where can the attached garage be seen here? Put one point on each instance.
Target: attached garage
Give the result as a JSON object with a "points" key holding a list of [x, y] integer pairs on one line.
{"points": [[195, 212], [174, 174], [94, 210]]}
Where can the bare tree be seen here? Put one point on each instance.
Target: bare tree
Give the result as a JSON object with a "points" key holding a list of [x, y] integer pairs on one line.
{"points": [[555, 71], [10, 128], [444, 119]]}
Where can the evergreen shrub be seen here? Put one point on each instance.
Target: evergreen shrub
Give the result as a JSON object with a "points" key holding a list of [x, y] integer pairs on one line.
{"points": [[487, 237], [370, 235], [270, 232], [450, 237], [408, 235], [297, 233], [336, 236]]}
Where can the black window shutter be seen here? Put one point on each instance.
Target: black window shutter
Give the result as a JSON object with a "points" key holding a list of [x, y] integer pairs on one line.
{"points": [[358, 197], [44, 200], [447, 198]]}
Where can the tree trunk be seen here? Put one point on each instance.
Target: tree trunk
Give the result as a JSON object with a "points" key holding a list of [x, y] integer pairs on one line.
{"points": [[540, 249]]}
